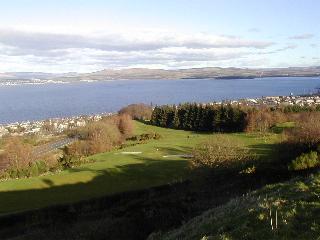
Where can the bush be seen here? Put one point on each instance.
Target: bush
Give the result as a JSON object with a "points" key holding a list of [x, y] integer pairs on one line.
{"points": [[220, 152], [69, 161], [305, 136], [125, 125], [305, 161], [32, 170], [145, 136]]}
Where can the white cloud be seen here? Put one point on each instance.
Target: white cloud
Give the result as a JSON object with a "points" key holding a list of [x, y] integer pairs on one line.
{"points": [[43, 51]]}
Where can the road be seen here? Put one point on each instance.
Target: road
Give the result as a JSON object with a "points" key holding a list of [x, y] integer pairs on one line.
{"points": [[49, 147]]}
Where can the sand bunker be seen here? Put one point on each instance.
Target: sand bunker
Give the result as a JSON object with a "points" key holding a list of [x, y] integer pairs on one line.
{"points": [[179, 155], [129, 153]]}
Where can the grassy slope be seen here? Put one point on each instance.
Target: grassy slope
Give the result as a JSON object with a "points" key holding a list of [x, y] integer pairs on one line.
{"points": [[112, 172], [298, 208]]}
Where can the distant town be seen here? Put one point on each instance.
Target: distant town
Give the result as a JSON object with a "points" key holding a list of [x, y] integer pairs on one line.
{"points": [[303, 100], [49, 126]]}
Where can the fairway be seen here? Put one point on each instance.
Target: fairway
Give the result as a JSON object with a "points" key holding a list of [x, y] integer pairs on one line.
{"points": [[141, 166]]}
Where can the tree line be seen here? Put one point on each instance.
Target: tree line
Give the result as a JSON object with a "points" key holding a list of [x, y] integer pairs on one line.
{"points": [[200, 117], [226, 117]]}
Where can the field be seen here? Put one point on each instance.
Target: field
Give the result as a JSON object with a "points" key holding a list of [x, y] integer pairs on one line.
{"points": [[115, 171]]}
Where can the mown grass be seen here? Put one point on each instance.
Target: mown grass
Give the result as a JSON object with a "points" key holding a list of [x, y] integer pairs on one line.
{"points": [[114, 172], [280, 127], [294, 207]]}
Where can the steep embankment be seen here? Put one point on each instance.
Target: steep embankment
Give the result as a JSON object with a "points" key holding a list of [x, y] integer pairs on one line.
{"points": [[294, 207]]}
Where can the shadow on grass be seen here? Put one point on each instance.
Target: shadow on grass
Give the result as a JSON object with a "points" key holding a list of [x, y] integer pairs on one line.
{"points": [[175, 150], [109, 181], [115, 207], [129, 215], [265, 150], [117, 187]]}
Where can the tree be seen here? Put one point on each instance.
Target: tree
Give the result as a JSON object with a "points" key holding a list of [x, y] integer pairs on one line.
{"points": [[125, 125], [138, 111], [17, 153]]}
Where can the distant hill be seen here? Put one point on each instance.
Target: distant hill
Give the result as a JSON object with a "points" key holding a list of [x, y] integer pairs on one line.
{"points": [[214, 72], [144, 73]]}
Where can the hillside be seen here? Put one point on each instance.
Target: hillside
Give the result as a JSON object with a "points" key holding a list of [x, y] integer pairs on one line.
{"points": [[148, 187], [210, 72], [294, 208], [113, 172], [145, 73], [126, 196]]}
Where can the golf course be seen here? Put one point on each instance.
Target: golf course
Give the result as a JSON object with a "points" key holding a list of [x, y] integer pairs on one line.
{"points": [[140, 166]]}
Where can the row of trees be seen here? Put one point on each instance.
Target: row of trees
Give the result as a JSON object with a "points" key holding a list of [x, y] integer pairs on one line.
{"points": [[198, 117], [226, 117]]}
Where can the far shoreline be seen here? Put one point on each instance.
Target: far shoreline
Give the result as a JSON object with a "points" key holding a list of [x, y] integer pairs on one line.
{"points": [[26, 82]]}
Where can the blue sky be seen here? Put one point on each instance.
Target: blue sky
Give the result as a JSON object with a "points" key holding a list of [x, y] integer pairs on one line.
{"points": [[84, 36]]}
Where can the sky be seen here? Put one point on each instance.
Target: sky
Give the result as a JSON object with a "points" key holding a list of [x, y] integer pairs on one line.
{"points": [[91, 35]]}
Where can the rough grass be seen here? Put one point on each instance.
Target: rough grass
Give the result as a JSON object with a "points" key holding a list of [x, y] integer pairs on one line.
{"points": [[297, 204], [113, 172]]}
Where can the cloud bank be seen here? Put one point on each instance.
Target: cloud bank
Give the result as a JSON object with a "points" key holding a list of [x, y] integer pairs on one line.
{"points": [[60, 52]]}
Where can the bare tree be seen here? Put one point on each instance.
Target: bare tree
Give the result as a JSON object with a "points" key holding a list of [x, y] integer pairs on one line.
{"points": [[220, 151]]}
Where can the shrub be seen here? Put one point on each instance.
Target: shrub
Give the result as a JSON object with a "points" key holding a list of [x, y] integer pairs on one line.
{"points": [[145, 136], [305, 136], [69, 161], [219, 152], [157, 136], [125, 125], [32, 170], [305, 161]]}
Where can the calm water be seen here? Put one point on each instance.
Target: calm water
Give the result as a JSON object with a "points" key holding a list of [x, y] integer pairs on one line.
{"points": [[33, 102]]}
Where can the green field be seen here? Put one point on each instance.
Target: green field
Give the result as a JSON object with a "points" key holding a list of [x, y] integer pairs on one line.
{"points": [[115, 172]]}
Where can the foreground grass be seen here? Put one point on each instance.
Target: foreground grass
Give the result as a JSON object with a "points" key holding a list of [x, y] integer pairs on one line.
{"points": [[296, 203], [115, 172]]}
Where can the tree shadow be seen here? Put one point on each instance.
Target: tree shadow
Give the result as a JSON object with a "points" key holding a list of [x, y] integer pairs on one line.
{"points": [[148, 173], [175, 150], [49, 182], [64, 203], [266, 150], [115, 204]]}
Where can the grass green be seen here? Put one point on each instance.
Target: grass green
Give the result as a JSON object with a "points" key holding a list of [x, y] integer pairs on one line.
{"points": [[114, 172], [294, 208]]}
